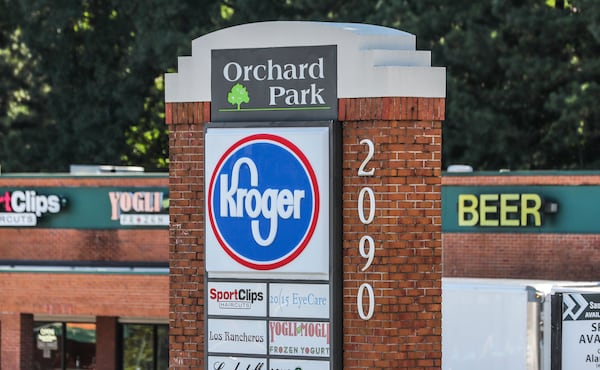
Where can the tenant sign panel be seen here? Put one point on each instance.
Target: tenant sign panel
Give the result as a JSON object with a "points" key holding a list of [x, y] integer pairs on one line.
{"points": [[265, 190]]}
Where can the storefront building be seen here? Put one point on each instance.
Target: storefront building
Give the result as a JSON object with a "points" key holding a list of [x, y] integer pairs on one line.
{"points": [[521, 225], [84, 271], [84, 263]]}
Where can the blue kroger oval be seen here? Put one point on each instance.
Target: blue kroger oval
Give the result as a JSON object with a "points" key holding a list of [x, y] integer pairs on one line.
{"points": [[263, 202]]}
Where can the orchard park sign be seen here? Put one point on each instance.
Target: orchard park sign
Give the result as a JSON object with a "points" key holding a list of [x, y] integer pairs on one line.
{"points": [[273, 84]]}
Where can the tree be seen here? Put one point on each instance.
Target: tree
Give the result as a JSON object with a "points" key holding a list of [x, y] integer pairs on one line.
{"points": [[95, 89], [83, 79], [238, 95], [521, 77], [21, 94]]}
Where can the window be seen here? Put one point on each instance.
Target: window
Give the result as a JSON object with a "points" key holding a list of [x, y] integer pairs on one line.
{"points": [[145, 347], [55, 351]]}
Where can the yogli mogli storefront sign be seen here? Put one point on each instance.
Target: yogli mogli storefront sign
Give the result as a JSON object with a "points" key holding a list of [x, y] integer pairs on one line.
{"points": [[272, 84]]}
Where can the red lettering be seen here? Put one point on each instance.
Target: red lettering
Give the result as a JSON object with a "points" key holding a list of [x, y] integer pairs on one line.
{"points": [[6, 200]]}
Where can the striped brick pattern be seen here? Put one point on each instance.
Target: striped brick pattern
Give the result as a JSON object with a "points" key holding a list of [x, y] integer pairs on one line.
{"points": [[405, 330], [186, 237]]}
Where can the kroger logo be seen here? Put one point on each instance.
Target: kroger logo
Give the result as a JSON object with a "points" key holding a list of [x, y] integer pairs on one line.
{"points": [[263, 201]]}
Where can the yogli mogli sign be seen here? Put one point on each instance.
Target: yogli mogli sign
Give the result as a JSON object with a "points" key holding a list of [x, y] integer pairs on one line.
{"points": [[272, 84], [265, 191]]}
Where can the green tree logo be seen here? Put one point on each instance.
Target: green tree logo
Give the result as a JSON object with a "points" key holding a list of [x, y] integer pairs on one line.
{"points": [[238, 95]]}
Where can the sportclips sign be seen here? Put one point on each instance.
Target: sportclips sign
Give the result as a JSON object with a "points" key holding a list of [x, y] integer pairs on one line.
{"points": [[265, 188], [19, 208], [269, 84]]}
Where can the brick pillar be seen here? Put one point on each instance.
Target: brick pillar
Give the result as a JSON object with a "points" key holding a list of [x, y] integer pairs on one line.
{"points": [[106, 343], [26, 341], [17, 341], [186, 234], [405, 329]]}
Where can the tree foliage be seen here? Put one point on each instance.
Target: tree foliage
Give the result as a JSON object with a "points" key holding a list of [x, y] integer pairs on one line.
{"points": [[521, 79], [82, 80]]}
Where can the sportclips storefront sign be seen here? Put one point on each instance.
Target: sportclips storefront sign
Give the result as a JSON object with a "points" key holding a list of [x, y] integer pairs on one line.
{"points": [[268, 84], [268, 247], [19, 208]]}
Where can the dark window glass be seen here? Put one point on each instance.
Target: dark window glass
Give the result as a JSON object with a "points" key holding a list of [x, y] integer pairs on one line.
{"points": [[162, 348], [80, 346], [53, 350], [145, 347], [138, 347]]}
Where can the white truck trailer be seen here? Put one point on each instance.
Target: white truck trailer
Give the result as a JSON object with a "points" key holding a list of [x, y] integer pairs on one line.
{"points": [[499, 324], [490, 324]]}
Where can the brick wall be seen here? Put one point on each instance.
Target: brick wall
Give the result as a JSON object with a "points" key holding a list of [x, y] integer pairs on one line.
{"points": [[85, 294], [26, 342], [186, 237], [405, 330], [84, 245], [106, 345], [522, 255], [16, 351], [25, 294]]}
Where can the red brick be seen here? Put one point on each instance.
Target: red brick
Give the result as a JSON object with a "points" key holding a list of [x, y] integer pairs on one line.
{"points": [[404, 332]]}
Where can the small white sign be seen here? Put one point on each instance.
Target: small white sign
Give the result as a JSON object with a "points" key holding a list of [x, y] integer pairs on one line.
{"points": [[237, 299], [144, 219], [299, 300], [17, 219], [237, 336], [236, 363], [581, 331], [299, 338], [279, 364]]}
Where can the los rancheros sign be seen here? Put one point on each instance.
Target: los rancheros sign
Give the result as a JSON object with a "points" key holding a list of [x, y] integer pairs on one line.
{"points": [[271, 84]]}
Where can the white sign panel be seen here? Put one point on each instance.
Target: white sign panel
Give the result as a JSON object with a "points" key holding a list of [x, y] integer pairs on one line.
{"points": [[237, 336], [299, 300], [267, 201], [236, 363], [144, 219], [17, 219], [581, 331], [237, 299], [299, 338], [278, 364]]}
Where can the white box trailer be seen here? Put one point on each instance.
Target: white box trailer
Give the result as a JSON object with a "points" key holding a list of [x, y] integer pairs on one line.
{"points": [[500, 324], [491, 324]]}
